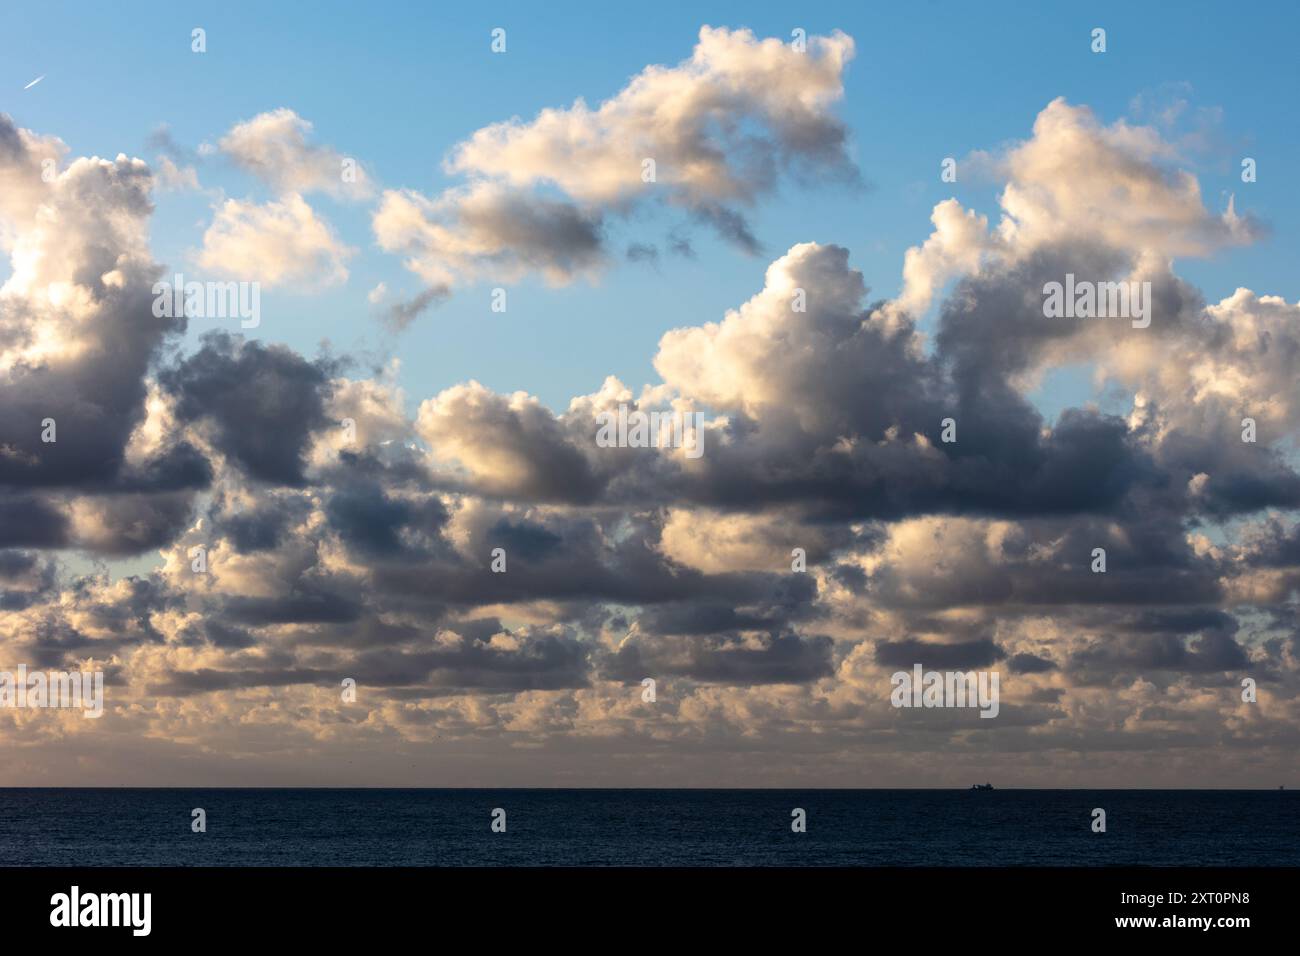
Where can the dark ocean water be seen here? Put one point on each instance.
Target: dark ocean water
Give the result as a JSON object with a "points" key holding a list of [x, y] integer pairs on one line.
{"points": [[122, 827]]}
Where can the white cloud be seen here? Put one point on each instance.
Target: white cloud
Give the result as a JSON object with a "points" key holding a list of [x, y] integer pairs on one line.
{"points": [[717, 125], [719, 128], [273, 146], [282, 242]]}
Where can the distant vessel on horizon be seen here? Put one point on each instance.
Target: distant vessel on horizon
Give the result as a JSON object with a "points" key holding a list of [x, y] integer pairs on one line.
{"points": [[981, 786]]}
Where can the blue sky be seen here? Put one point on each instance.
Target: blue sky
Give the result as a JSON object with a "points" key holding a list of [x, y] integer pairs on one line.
{"points": [[399, 85]]}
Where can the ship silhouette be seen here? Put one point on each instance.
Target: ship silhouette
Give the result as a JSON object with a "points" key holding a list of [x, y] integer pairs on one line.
{"points": [[981, 786]]}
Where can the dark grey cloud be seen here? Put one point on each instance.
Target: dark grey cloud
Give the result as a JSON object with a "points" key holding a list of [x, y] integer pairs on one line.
{"points": [[1127, 655], [401, 314], [1031, 664], [911, 651], [549, 659], [642, 252], [306, 605], [730, 226], [28, 521], [162, 141], [262, 403], [724, 659]]}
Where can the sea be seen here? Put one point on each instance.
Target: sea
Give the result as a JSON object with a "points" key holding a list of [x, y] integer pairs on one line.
{"points": [[647, 828]]}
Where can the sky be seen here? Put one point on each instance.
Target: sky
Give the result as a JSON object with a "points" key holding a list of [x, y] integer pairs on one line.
{"points": [[516, 176]]}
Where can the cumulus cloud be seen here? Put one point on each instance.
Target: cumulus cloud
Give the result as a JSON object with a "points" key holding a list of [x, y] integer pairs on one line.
{"points": [[77, 338], [1075, 181], [176, 178], [690, 119], [282, 242], [709, 136], [1075, 173], [285, 241], [258, 404], [508, 444], [274, 146], [487, 230], [24, 157]]}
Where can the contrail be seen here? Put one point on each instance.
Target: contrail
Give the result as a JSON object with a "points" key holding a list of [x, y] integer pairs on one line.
{"points": [[34, 82]]}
